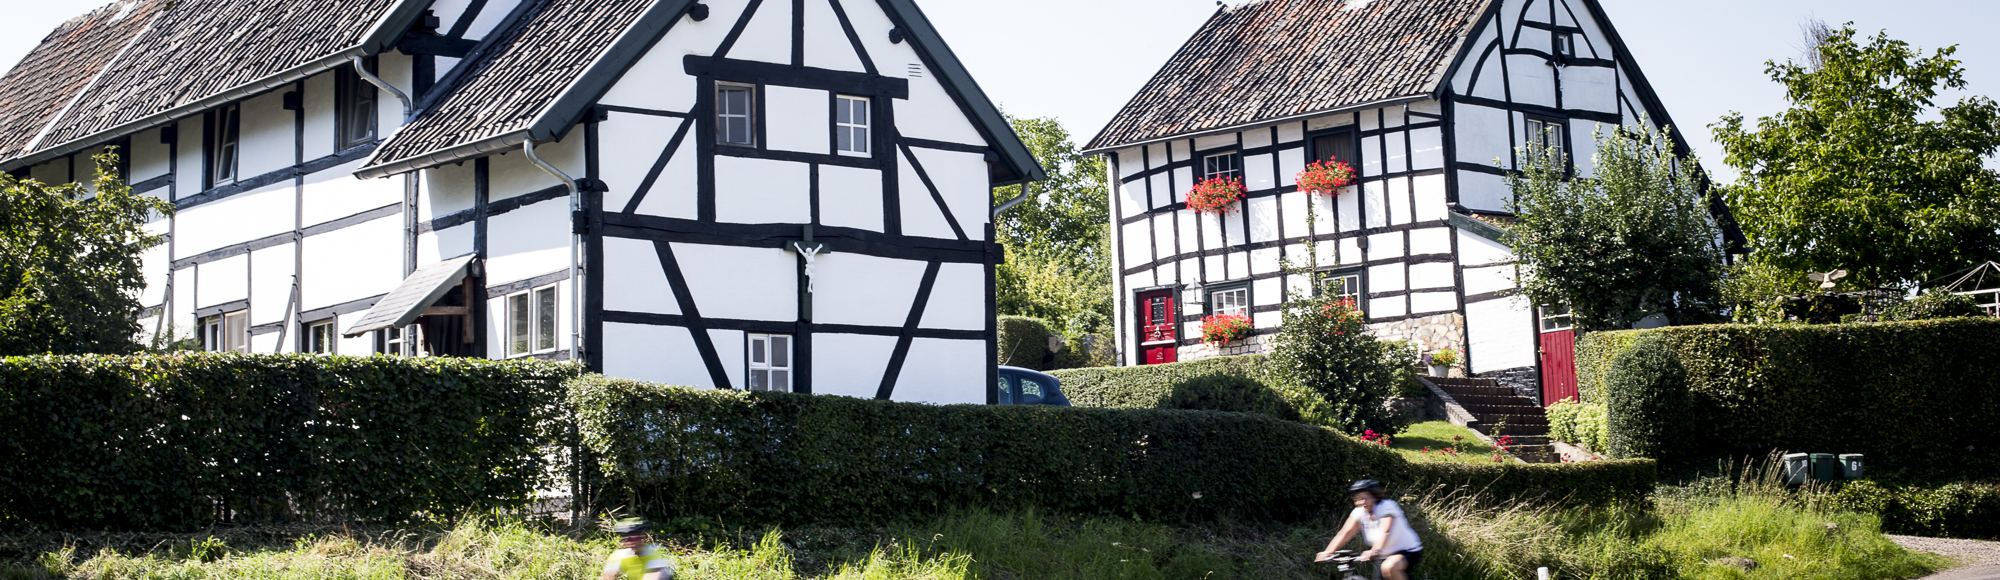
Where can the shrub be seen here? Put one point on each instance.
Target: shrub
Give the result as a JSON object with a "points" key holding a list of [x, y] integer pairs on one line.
{"points": [[1171, 386], [1647, 408], [1323, 346], [1024, 341], [92, 442], [1233, 393], [1956, 510], [1581, 424], [778, 457], [1918, 398], [1934, 306]]}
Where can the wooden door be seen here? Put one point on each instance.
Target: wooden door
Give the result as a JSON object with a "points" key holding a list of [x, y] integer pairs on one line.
{"points": [[1158, 340], [1558, 350]]}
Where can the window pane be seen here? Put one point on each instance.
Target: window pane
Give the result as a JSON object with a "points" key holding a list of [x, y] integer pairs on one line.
{"points": [[845, 137], [1006, 389], [517, 324], [781, 352], [781, 381], [1337, 146], [545, 317], [757, 351], [760, 380], [861, 112], [843, 112]]}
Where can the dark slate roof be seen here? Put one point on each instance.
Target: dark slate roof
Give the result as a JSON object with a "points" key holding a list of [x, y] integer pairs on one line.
{"points": [[45, 81], [1274, 59], [512, 80]]}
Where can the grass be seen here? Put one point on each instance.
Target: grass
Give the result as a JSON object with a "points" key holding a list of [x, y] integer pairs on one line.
{"points": [[1690, 532], [1429, 440]]}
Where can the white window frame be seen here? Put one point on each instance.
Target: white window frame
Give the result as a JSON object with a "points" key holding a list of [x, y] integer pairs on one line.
{"points": [[1209, 166], [769, 356], [1565, 45], [227, 151], [1237, 298], [1546, 134], [723, 114], [1359, 292], [1557, 318], [530, 333], [218, 336], [326, 341], [857, 133]]}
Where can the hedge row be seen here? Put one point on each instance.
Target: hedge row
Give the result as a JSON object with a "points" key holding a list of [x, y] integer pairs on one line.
{"points": [[1024, 342], [1919, 399], [185, 440], [1956, 510], [1241, 384], [673, 452]]}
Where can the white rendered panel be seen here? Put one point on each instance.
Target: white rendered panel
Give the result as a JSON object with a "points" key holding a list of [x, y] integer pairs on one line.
{"points": [[1430, 241], [1430, 198], [1375, 203], [1294, 206], [962, 179], [188, 178], [826, 42], [182, 315], [1264, 261], [394, 68], [528, 242], [658, 354], [1388, 307], [944, 372], [1180, 150], [1211, 230], [866, 290], [930, 113], [223, 280], [154, 264], [1130, 163], [1183, 182], [1350, 252], [352, 263], [1583, 146], [1189, 222], [729, 347], [445, 189], [1266, 292], [1263, 213], [1475, 250], [1238, 263], [444, 244], [1429, 302], [1191, 272], [659, 80], [1385, 246], [1482, 135], [1349, 206], [1266, 319], [1530, 78], [237, 219], [1386, 278], [149, 156], [1432, 275], [958, 298], [1590, 88], [1163, 234], [336, 193], [1290, 163], [798, 119], [268, 134], [850, 365], [1210, 143], [511, 175], [1256, 138], [763, 191], [850, 197], [271, 284], [634, 280], [740, 283], [1138, 240], [320, 122], [1159, 192], [1399, 200], [640, 141], [1426, 149], [768, 38], [674, 194], [922, 216], [1259, 173], [1330, 121], [1482, 191], [1213, 265], [56, 172], [1291, 132], [1371, 152], [1131, 198], [1398, 159], [1488, 279], [1501, 334]]}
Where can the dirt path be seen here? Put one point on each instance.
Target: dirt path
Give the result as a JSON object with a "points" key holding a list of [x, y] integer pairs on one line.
{"points": [[1981, 559]]}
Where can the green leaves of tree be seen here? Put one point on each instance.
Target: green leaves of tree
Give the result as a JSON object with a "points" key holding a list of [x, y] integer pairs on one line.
{"points": [[1852, 175], [1058, 246], [1634, 238], [69, 264]]}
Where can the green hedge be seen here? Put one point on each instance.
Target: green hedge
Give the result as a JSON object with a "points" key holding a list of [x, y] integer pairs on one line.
{"points": [[186, 440], [1024, 343], [1581, 424], [674, 452], [1235, 383], [1920, 399], [1957, 510]]}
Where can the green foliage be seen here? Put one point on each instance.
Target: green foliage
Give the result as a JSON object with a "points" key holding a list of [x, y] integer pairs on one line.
{"points": [[1024, 343], [1582, 424], [1635, 238], [777, 457], [1323, 346], [1232, 393], [1918, 398], [1955, 510], [1758, 292], [69, 264], [92, 442], [1932, 306], [1057, 241], [1865, 150], [1172, 386]]}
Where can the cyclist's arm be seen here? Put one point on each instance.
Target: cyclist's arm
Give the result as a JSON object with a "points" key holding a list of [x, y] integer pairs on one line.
{"points": [[1389, 526], [1347, 532]]}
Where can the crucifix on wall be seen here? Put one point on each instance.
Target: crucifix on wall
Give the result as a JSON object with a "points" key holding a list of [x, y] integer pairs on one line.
{"points": [[811, 251]]}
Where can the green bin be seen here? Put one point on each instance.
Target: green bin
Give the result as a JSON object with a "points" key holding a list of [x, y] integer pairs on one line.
{"points": [[1825, 467]]}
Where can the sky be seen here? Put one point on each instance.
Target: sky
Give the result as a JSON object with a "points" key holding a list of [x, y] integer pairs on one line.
{"points": [[1080, 60]]}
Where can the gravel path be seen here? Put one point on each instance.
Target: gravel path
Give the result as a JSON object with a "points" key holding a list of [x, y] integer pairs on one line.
{"points": [[1981, 559]]}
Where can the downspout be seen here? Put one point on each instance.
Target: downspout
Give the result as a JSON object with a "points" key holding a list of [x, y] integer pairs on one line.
{"points": [[409, 185], [575, 240], [1027, 190]]}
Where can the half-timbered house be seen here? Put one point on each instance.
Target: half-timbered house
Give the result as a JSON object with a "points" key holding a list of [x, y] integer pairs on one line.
{"points": [[1430, 101], [787, 195]]}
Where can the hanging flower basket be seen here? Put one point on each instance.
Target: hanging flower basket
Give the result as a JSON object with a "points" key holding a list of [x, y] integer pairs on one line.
{"points": [[1223, 328], [1325, 177], [1216, 195]]}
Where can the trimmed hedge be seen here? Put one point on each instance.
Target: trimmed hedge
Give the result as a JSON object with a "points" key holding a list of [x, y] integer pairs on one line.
{"points": [[1957, 510], [1024, 341], [673, 452], [1582, 424], [1920, 399], [1235, 383], [174, 442]]}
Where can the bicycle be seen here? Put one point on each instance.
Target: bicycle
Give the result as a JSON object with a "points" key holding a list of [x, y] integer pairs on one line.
{"points": [[1349, 565]]}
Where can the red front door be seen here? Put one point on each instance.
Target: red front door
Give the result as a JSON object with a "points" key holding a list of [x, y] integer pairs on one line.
{"points": [[1158, 341], [1558, 348]]}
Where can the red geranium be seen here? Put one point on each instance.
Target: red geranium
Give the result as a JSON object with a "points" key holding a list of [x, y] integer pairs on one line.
{"points": [[1216, 195], [1325, 177], [1223, 328]]}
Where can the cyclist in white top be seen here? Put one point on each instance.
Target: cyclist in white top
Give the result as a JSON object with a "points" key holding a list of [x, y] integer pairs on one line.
{"points": [[1386, 529]]}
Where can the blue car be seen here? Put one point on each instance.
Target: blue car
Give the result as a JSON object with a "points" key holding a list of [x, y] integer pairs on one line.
{"points": [[1019, 386]]}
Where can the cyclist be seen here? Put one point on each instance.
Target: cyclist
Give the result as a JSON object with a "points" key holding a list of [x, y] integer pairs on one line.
{"points": [[1384, 526], [637, 557]]}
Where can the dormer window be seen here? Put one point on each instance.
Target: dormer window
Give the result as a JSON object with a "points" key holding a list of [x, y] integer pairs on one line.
{"points": [[735, 114]]}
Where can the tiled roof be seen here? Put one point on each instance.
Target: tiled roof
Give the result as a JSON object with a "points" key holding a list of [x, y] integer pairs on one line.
{"points": [[38, 88], [522, 73], [1274, 59]]}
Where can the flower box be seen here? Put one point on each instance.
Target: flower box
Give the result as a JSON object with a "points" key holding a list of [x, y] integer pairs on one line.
{"points": [[1216, 195], [1222, 328]]}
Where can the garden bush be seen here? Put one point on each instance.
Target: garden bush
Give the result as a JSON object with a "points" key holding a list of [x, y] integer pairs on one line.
{"points": [[173, 442], [1919, 399], [1955, 510], [1581, 424], [1174, 386], [672, 452], [1024, 343], [1324, 346]]}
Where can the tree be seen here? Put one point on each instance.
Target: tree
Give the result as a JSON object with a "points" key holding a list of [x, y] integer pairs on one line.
{"points": [[1852, 176], [69, 264], [1058, 244], [1633, 239], [1324, 345]]}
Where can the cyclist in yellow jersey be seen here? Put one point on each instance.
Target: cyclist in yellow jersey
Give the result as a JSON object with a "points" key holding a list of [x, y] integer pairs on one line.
{"points": [[637, 557]]}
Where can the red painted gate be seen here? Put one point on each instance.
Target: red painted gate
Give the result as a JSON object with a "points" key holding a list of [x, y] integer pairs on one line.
{"points": [[1558, 350], [1158, 340]]}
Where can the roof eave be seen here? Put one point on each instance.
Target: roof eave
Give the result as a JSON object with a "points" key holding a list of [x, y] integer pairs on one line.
{"points": [[1014, 152], [1389, 102], [582, 94], [475, 149]]}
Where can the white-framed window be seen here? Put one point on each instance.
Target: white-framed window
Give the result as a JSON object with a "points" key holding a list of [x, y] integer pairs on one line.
{"points": [[1234, 301], [1565, 45], [1223, 165], [1343, 285], [354, 109], [393, 342], [320, 337], [850, 125], [531, 322], [770, 362], [1557, 318], [226, 332], [222, 152], [735, 114], [1545, 135]]}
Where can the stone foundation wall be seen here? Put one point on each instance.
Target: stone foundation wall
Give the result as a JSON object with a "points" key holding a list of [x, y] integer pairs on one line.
{"points": [[1255, 344], [1430, 333], [1526, 381]]}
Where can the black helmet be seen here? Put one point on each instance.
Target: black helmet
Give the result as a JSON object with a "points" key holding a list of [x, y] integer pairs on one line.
{"points": [[629, 526], [1367, 485]]}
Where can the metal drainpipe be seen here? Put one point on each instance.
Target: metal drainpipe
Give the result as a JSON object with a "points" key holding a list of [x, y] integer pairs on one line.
{"points": [[1027, 189], [409, 185], [575, 240]]}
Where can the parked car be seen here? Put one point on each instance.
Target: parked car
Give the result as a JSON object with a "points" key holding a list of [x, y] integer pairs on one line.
{"points": [[1019, 386]]}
